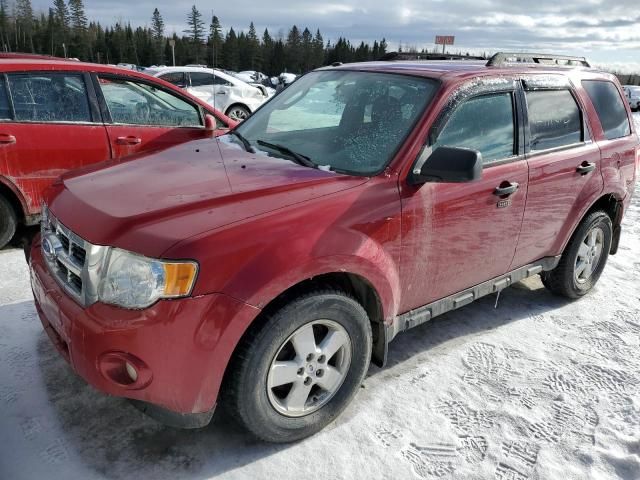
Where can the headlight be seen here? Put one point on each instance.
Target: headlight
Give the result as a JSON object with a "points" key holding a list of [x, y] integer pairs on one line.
{"points": [[134, 281]]}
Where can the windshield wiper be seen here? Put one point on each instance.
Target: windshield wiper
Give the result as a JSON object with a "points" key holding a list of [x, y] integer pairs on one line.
{"points": [[298, 158], [245, 142]]}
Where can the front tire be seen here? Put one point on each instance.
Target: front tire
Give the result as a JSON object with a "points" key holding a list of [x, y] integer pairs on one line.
{"points": [[584, 258], [299, 371], [8, 222]]}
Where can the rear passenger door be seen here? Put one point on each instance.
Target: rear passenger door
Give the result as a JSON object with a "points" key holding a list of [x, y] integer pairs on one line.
{"points": [[50, 124], [141, 116], [564, 167]]}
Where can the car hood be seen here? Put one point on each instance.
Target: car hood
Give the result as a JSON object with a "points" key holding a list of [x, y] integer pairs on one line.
{"points": [[147, 204]]}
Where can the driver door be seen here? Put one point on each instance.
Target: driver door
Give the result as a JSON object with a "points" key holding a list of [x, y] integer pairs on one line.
{"points": [[142, 117]]}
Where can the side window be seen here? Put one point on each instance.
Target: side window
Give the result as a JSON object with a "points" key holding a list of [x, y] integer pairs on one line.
{"points": [[200, 79], [484, 123], [49, 97], [610, 108], [221, 81], [554, 119], [5, 109], [136, 103], [176, 78]]}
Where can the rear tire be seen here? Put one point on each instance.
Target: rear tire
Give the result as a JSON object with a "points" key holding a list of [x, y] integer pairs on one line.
{"points": [[274, 360], [238, 113], [584, 258], [8, 222]]}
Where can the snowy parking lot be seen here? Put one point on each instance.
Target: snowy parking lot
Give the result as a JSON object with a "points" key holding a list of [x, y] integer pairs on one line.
{"points": [[537, 388]]}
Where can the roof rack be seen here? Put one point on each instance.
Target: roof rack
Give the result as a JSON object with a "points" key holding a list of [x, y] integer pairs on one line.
{"points": [[543, 59], [426, 56]]}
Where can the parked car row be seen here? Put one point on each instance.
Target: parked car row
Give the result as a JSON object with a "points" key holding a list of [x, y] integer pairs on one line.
{"points": [[268, 267], [237, 99], [632, 92], [58, 115]]}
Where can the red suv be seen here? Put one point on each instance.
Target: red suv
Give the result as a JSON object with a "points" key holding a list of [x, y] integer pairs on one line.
{"points": [[267, 267], [57, 115]]}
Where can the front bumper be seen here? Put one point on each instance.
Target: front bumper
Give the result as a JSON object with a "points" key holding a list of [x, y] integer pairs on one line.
{"points": [[179, 348]]}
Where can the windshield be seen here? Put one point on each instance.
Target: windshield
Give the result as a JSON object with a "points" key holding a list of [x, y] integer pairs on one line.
{"points": [[351, 122]]}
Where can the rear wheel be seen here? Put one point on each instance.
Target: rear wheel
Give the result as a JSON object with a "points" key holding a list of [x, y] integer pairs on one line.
{"points": [[299, 371], [8, 221], [238, 113], [584, 259]]}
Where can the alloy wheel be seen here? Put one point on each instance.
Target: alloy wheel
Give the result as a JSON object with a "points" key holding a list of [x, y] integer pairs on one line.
{"points": [[309, 368]]}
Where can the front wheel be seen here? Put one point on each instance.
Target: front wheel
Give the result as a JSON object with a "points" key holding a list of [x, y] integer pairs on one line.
{"points": [[238, 113], [584, 258], [300, 370]]}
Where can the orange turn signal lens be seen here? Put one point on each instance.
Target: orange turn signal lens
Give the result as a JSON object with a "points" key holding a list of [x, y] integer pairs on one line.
{"points": [[179, 278]]}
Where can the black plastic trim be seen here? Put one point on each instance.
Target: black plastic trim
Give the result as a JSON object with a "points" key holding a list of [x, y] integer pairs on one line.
{"points": [[423, 314], [174, 419]]}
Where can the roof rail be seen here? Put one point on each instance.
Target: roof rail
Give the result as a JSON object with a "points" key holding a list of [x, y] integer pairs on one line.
{"points": [[426, 56], [544, 59]]}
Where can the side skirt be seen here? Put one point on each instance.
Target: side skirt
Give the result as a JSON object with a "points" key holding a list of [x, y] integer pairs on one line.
{"points": [[423, 314]]}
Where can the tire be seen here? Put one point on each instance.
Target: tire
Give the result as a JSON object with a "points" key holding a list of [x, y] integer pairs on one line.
{"points": [[260, 399], [8, 222], [238, 113], [581, 263]]}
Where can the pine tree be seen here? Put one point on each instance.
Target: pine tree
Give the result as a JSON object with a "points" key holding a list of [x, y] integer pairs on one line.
{"points": [[230, 50], [24, 23], [4, 25], [77, 16], [195, 31], [215, 40], [253, 49], [318, 50], [294, 50], [61, 14], [157, 32]]}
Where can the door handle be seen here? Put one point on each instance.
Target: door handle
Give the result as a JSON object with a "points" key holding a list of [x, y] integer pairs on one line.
{"points": [[7, 139], [221, 93], [586, 167], [506, 189], [131, 140]]}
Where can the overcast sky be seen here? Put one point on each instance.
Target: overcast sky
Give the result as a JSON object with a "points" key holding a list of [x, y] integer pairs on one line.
{"points": [[607, 31]]}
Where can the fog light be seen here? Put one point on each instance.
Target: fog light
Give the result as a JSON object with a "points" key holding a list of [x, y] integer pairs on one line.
{"points": [[131, 371]]}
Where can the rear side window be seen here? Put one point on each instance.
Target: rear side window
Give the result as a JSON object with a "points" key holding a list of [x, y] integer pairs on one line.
{"points": [[56, 97], [176, 78], [610, 108], [482, 123], [554, 119], [199, 79]]}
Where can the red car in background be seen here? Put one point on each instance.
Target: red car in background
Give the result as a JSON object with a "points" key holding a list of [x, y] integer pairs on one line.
{"points": [[57, 115]]}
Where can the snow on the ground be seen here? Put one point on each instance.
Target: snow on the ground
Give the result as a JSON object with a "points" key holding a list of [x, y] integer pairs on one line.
{"points": [[539, 388]]}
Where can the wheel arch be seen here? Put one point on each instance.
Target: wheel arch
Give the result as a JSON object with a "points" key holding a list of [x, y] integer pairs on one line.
{"points": [[613, 206], [352, 284], [15, 198], [238, 104]]}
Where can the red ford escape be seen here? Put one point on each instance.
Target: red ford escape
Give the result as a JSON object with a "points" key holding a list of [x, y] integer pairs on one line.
{"points": [[58, 115], [267, 267]]}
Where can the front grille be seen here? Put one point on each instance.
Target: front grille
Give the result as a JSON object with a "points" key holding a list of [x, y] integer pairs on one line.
{"points": [[67, 255]]}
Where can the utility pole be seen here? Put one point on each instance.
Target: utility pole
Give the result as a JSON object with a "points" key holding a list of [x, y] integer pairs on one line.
{"points": [[172, 43]]}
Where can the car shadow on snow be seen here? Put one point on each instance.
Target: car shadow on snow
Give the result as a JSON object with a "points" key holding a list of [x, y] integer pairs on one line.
{"points": [[114, 439]]}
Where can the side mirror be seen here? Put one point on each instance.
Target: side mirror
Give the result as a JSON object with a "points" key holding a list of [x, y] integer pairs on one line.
{"points": [[447, 165], [210, 123]]}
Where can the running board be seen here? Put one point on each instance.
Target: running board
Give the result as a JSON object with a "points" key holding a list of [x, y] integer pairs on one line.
{"points": [[423, 314]]}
